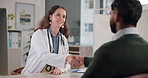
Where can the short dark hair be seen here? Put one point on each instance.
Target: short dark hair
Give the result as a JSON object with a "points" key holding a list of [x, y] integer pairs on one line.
{"points": [[129, 10]]}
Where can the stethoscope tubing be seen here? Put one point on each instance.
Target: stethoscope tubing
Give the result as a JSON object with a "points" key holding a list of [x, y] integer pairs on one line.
{"points": [[62, 41]]}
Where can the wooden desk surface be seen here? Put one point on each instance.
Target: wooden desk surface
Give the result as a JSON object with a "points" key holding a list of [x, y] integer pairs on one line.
{"points": [[46, 75]]}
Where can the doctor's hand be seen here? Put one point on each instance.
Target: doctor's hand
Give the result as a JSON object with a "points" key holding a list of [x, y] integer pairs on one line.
{"points": [[56, 72], [75, 60], [80, 59]]}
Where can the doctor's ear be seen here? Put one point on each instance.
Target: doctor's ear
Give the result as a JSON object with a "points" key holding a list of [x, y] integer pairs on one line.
{"points": [[50, 17]]}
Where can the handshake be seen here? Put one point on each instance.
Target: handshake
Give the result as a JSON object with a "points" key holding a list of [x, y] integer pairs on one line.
{"points": [[75, 60]]}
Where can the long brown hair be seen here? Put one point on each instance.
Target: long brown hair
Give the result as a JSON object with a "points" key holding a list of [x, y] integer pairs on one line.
{"points": [[44, 24]]}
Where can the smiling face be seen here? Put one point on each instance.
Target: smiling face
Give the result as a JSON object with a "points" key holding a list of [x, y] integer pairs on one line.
{"points": [[58, 18]]}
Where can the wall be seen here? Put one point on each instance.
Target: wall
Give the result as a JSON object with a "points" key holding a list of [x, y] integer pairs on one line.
{"points": [[10, 6], [102, 32], [143, 25]]}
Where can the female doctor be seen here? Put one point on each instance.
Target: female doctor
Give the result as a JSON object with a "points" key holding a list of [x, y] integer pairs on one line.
{"points": [[49, 45]]}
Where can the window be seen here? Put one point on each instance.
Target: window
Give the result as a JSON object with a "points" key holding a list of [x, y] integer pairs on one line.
{"points": [[89, 4], [88, 27]]}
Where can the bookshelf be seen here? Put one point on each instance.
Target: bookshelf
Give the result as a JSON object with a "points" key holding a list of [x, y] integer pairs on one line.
{"points": [[14, 38], [74, 50], [86, 51], [14, 49]]}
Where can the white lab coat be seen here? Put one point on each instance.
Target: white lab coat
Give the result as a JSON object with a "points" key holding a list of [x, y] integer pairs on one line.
{"points": [[39, 54]]}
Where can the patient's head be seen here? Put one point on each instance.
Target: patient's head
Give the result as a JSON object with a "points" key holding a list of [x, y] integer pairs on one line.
{"points": [[129, 10]]}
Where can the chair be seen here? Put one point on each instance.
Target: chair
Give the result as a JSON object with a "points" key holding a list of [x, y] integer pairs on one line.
{"points": [[17, 71], [143, 75]]}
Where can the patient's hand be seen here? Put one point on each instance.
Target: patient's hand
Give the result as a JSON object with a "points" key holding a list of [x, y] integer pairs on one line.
{"points": [[80, 59], [75, 60]]}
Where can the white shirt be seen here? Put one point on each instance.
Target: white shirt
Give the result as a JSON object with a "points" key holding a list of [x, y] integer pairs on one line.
{"points": [[124, 32]]}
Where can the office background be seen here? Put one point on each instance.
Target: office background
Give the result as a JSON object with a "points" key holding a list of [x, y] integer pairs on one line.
{"points": [[88, 20]]}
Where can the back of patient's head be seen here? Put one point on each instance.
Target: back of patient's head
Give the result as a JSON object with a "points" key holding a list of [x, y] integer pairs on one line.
{"points": [[129, 10]]}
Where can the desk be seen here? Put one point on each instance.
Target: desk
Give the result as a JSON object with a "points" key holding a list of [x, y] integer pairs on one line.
{"points": [[45, 75]]}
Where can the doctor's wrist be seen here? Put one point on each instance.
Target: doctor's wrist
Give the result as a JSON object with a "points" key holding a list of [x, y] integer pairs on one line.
{"points": [[68, 58]]}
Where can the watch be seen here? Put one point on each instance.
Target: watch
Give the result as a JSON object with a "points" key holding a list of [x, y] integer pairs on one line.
{"points": [[49, 68]]}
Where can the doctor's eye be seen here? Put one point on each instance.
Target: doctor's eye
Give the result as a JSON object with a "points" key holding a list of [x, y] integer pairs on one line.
{"points": [[64, 16], [58, 14]]}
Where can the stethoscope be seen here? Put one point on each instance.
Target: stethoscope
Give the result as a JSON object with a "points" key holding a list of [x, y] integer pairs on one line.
{"points": [[62, 41]]}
